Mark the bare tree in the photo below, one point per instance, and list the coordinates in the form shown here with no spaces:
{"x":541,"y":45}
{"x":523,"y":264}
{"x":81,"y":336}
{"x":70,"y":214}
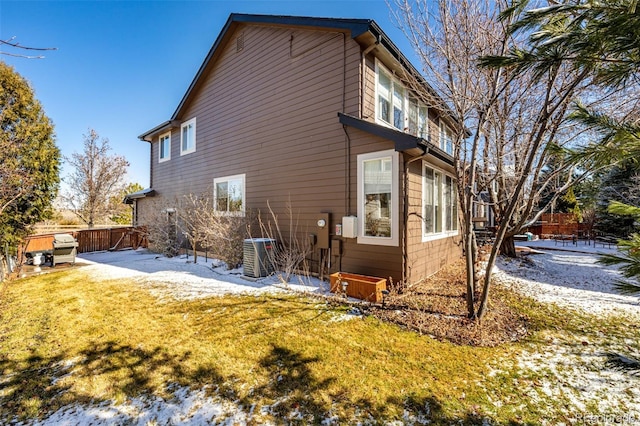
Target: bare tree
{"x":195,"y":220}
{"x":516,"y":121}
{"x":12,"y":44}
{"x":97,"y":176}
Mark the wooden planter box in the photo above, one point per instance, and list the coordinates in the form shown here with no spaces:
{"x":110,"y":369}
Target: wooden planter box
{"x":360,"y":286}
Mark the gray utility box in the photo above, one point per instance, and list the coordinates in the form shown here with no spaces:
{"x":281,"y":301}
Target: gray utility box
{"x":64,"y":249}
{"x":257,"y":257}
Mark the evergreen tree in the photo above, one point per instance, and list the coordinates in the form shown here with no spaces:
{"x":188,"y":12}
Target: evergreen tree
{"x":121,"y":213}
{"x":29,"y":160}
{"x":617,"y":185}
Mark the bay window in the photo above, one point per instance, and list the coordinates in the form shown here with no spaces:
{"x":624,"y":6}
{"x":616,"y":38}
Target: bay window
{"x":439,"y":204}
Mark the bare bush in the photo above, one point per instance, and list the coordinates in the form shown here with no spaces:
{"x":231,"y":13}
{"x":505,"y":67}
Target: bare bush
{"x":190,"y":221}
{"x":226,"y":238}
{"x":291,"y":251}
{"x":162,"y":230}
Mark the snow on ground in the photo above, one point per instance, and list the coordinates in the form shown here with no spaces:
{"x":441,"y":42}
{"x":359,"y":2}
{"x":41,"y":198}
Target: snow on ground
{"x":567,"y":369}
{"x":180,"y":278}
{"x":185,"y":408}
{"x":570,"y":368}
{"x":569,"y":276}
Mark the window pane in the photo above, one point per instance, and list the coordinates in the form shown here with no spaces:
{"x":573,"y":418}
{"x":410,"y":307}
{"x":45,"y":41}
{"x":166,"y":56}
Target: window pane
{"x":447,"y":204}
{"x":437,"y":197}
{"x":413,"y":117}
{"x":377,"y":190}
{"x":235,"y":195}
{"x":163,"y":147}
{"x":222,"y":196}
{"x":187,"y":137}
{"x":446,"y":139}
{"x":422,"y":122}
{"x":428,"y":201}
{"x":398,"y":106}
{"x":454,"y":205}
{"x":384,"y":96}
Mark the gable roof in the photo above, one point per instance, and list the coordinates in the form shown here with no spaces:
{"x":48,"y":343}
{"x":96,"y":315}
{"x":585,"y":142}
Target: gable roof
{"x":356,"y":28}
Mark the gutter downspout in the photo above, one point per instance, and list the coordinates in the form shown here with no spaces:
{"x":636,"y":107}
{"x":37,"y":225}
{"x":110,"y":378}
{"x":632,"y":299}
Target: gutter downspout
{"x":405,"y":243}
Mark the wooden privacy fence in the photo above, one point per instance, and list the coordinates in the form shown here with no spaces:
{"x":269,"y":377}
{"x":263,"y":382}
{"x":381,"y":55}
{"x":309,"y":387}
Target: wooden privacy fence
{"x":90,"y":240}
{"x":556,"y":223}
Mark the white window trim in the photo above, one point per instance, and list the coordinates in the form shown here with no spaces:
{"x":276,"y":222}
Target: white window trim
{"x":444,"y":233}
{"x":441,"y":139}
{"x":242,"y":178}
{"x":185,"y":124}
{"x":405,"y":107}
{"x":395,"y":206}
{"x":168,"y":157}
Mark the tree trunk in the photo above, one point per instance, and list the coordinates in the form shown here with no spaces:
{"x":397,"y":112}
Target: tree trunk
{"x":508,"y":247}
{"x":2,"y":270}
{"x":470,"y":257}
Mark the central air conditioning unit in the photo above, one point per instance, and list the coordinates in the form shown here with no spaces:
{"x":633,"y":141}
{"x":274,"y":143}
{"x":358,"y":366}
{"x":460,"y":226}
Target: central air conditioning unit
{"x":257,"y":255}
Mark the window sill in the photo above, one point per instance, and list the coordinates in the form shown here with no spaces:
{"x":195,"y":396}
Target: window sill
{"x":378,"y":241}
{"x":439,"y":236}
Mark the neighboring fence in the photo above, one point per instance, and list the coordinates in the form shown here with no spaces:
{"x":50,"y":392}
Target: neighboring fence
{"x":557,"y":224}
{"x":91,"y":240}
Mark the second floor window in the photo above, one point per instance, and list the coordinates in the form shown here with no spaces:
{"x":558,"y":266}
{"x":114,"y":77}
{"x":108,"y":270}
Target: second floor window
{"x":446,"y":138}
{"x":397,"y":107}
{"x":165,"y":147}
{"x":188,"y":136}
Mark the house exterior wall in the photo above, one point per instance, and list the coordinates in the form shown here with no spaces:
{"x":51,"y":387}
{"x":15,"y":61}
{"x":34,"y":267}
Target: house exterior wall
{"x":424,"y":258}
{"x":269,"y":111}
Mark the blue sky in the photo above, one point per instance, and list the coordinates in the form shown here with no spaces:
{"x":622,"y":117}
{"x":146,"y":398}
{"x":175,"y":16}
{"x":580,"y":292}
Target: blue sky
{"x":122,"y":67}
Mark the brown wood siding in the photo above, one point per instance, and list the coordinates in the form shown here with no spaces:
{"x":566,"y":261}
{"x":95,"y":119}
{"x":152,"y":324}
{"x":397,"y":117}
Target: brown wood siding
{"x":425,"y":258}
{"x":369,"y":101}
{"x":375,"y":260}
{"x":270,"y":112}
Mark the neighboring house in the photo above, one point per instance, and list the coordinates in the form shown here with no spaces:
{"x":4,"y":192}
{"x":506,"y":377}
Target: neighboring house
{"x":314,"y":110}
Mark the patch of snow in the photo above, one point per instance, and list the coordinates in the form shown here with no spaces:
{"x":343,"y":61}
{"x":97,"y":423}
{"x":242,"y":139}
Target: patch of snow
{"x":568,"y":276}
{"x":185,"y":407}
{"x":180,"y":278}
{"x":353,"y":313}
{"x":576,"y":374}
{"x":571,"y":369}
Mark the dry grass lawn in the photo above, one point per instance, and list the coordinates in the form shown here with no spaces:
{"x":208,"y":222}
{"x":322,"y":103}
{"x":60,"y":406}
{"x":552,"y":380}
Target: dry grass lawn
{"x":66,"y":338}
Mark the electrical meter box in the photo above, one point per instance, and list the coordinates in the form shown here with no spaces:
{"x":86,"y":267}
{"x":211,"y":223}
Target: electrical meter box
{"x":322,"y":230}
